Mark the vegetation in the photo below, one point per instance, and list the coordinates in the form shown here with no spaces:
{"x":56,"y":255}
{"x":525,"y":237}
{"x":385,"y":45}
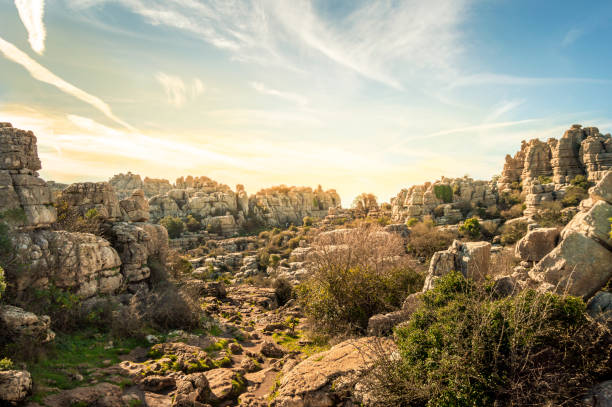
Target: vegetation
{"x":470,"y":227}
{"x":174,"y":226}
{"x":192,"y":224}
{"x":513,"y":232}
{"x":365,"y":202}
{"x":425,"y":239}
{"x":577,"y":191}
{"x":307,"y":221}
{"x":463,"y":347}
{"x":70,"y":219}
{"x":551,"y":215}
{"x":348,"y":286}
{"x":543,"y":179}
{"x":444,"y":192}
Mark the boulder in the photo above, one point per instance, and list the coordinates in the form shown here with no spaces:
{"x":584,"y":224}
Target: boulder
{"x":99,"y":196}
{"x":135,"y":208}
{"x":192,"y":391}
{"x":593,"y":223}
{"x":18,"y":324}
{"x":79,"y":262}
{"x":15,"y":386}
{"x":600,"y":307}
{"x":318,"y":380}
{"x":599,"y":396}
{"x":100,"y":395}
{"x":272,"y":350}
{"x":603,"y":190}
{"x":383,"y":324}
{"x":536,"y":244}
{"x":578,"y":265}
{"x":472,"y":259}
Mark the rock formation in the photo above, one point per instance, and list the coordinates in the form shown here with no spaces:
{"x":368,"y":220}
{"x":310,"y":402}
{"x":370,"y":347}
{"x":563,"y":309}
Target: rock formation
{"x":444,"y":195}
{"x":218,"y":207}
{"x":82,"y":263}
{"x":578,"y":260}
{"x":20,"y":187}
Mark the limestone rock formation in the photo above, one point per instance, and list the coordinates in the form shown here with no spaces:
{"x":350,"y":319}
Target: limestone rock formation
{"x":18,"y":324}
{"x":318,"y":380}
{"x":125,"y":185}
{"x":15,"y":385}
{"x":472,"y":259}
{"x":582,"y":262}
{"x":80,"y":262}
{"x":85,"y":196}
{"x":20,"y":187}
{"x":447,"y":194}
{"x":137,"y":245}
{"x":536,"y":244}
{"x":135,"y":208}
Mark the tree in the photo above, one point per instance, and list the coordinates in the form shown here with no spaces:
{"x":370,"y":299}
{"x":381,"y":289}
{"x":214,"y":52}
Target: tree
{"x":471,"y":227}
{"x":192,"y":224}
{"x":174,"y":226}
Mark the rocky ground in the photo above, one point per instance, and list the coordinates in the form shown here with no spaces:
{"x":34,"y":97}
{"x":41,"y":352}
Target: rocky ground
{"x":254,"y":353}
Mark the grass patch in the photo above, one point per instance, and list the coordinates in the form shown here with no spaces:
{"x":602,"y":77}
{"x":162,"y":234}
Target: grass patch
{"x":81,"y":353}
{"x":291,"y":343}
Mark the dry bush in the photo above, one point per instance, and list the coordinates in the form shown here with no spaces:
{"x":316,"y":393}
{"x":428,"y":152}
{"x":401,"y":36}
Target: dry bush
{"x":549,"y":215}
{"x":464,"y":347}
{"x":425,"y":239}
{"x":512,"y":233}
{"x":515,"y":211}
{"x":356,"y":273}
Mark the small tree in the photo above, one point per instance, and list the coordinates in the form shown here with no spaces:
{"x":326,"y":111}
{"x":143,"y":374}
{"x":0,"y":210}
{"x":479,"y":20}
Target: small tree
{"x":471,"y":227}
{"x":444,"y":192}
{"x":174,"y":226}
{"x":365,"y":202}
{"x":192,"y":224}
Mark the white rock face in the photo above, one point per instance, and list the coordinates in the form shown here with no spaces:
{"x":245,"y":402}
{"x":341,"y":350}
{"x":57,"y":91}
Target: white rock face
{"x":472,"y":259}
{"x":582,"y":262}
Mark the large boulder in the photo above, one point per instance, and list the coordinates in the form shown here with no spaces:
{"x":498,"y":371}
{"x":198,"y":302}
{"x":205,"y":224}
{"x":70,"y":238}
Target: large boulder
{"x":603,"y":189}
{"x":578,"y":265}
{"x":593,"y":223}
{"x":138,"y":244}
{"x":135,"y":208}
{"x":536,"y":244}
{"x":192,"y":391}
{"x":15,"y":386}
{"x":85,"y":196}
{"x":472,"y":259}
{"x":78,"y":262}
{"x":319,"y":380}
{"x":18,"y":324}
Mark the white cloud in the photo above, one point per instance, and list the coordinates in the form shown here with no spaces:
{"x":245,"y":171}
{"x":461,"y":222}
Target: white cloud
{"x":510,"y":80}
{"x":374,"y":40}
{"x":503,"y":108}
{"x":31,"y":13}
{"x":292,"y":97}
{"x":572,"y":36}
{"x":177,"y":91}
{"x":42,"y":74}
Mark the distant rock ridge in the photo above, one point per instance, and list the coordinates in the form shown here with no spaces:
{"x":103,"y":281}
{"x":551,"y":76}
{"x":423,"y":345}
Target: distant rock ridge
{"x":220,"y":208}
{"x":542,"y":171}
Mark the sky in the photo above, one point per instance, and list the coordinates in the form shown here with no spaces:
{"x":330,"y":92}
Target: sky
{"x":360,"y":96}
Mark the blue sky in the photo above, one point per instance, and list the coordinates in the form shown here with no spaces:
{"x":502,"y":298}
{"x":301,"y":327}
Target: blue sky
{"x":354,"y":95}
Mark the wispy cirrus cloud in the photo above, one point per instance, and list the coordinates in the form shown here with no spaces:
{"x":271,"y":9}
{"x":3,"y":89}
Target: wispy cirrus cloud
{"x":292,"y":97}
{"x":31,"y":14}
{"x":483,"y":79}
{"x":572,"y":36}
{"x":373,"y":40}
{"x":177,"y":91}
{"x":42,"y":74}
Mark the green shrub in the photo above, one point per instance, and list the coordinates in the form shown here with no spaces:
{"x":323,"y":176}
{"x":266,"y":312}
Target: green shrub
{"x":174,"y":226}
{"x":340,"y":300}
{"x":549,"y":215}
{"x":425,"y":239}
{"x":575,"y":193}
{"x":192,"y":224}
{"x":512,"y":233}
{"x":307,"y":221}
{"x":444,"y":192}
{"x":383,"y":220}
{"x":582,"y":182}
{"x":471,"y":227}
{"x":543,"y":179}
{"x":463,"y":348}
{"x":6,"y":364}
{"x":411,"y":222}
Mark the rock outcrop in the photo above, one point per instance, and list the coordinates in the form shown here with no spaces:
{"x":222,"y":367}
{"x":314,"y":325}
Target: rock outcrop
{"x":86,"y":196}
{"x":15,"y":386}
{"x":472,"y":259}
{"x":323,"y":377}
{"x":135,"y":208}
{"x":21,"y":190}
{"x":581,"y":263}
{"x":125,"y":185}
{"x":442,"y":199}
{"x":18,"y":324}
